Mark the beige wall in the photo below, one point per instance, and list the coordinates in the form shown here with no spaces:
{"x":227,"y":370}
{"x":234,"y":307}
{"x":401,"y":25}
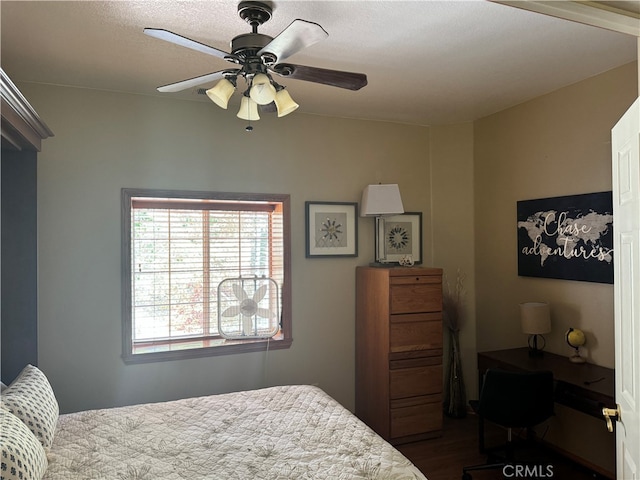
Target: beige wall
{"x":105,"y":141}
{"x":452,"y":195}
{"x":555,"y":145}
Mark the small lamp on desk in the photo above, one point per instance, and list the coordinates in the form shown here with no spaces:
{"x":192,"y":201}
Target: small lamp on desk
{"x":536,"y":321}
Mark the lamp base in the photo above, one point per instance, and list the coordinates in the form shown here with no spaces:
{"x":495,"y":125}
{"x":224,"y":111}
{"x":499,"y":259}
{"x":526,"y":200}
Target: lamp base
{"x":534,"y":349}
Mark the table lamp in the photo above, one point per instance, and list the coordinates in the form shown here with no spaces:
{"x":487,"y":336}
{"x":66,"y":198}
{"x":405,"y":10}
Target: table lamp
{"x":535,"y":320}
{"x":378,"y":201}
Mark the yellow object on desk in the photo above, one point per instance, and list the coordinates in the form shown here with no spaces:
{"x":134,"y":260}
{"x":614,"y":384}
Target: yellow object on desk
{"x":575,"y":339}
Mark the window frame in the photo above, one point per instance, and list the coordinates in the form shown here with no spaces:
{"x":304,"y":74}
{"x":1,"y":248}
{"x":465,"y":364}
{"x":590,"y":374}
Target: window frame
{"x":228,"y":347}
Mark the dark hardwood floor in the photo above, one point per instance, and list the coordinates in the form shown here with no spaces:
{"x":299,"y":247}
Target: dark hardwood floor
{"x":443,"y":458}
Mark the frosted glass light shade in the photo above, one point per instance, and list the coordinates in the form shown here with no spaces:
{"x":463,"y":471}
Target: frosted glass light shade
{"x":535,"y":318}
{"x":248,"y":109}
{"x":381,"y":200}
{"x":221,"y":93}
{"x":262,"y":92}
{"x":284,"y":103}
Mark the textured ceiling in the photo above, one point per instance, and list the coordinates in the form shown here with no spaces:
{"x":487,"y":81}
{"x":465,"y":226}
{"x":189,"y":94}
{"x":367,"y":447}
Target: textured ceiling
{"x":427,"y":62}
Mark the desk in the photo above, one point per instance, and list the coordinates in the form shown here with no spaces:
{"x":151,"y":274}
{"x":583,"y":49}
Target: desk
{"x":584,"y":387}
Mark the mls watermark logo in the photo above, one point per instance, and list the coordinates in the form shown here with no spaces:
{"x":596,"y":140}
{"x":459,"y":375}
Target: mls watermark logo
{"x":527,"y":471}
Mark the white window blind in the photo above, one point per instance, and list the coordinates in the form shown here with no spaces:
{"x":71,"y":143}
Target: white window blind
{"x":181,"y":249}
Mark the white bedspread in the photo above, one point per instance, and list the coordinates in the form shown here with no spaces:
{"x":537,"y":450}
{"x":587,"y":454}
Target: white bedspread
{"x":290,"y":432}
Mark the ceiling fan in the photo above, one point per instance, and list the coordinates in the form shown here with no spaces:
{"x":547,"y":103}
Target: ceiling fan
{"x":259,"y":57}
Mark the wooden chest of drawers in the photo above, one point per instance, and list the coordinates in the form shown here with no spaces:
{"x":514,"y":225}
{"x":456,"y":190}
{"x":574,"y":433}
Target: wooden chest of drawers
{"x":399,"y":351}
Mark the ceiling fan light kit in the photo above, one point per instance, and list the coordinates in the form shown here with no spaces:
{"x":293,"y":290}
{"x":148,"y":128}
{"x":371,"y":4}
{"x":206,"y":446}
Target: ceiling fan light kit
{"x":258,"y":57}
{"x":284,"y":102}
{"x":221,"y":93}
{"x":248,"y":109}
{"x":262,"y":91}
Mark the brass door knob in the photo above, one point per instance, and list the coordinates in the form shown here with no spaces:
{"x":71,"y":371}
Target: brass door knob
{"x":609,"y":413}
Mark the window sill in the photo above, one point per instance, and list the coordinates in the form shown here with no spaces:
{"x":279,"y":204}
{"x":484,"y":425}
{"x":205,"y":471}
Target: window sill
{"x":202,"y":348}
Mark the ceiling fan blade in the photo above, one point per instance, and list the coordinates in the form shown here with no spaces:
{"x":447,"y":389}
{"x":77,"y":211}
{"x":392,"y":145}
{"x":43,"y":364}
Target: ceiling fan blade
{"x":335,"y":78}
{"x":171,"y":37}
{"x":298,"y":35}
{"x":195,"y":81}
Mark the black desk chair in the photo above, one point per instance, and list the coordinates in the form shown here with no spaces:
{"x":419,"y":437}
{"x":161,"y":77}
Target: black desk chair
{"x":512,"y":400}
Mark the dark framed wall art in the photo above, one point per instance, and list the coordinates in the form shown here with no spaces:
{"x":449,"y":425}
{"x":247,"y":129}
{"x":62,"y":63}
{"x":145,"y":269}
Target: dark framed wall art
{"x":398,"y":237}
{"x":567,"y":237}
{"x":331,"y":229}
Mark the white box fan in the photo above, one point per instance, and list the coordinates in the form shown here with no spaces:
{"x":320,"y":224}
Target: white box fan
{"x":248,"y":307}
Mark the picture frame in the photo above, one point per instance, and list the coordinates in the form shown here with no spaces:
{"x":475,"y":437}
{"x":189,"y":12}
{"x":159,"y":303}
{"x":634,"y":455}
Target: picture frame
{"x":398,"y":237}
{"x":568,"y":237}
{"x":331,"y":229}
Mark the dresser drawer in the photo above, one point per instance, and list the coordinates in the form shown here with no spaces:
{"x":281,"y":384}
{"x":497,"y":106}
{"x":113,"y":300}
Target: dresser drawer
{"x":418,"y":331}
{"x":422,"y":358}
{"x":415,"y":279}
{"x":415,"y":381}
{"x":417,"y":418}
{"x":415,"y":297}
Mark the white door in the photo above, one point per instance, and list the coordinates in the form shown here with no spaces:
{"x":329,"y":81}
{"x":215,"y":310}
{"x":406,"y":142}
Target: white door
{"x":626,"y":247}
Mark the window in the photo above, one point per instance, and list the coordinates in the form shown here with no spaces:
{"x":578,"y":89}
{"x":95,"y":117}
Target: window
{"x":178,"y":247}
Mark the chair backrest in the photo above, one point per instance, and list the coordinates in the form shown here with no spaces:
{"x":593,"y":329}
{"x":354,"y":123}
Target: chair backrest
{"x":516,"y":399}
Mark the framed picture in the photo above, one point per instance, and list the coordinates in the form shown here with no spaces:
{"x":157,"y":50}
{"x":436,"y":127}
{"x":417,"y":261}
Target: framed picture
{"x":399,"y":236}
{"x":568,"y":237}
{"x":331,"y":229}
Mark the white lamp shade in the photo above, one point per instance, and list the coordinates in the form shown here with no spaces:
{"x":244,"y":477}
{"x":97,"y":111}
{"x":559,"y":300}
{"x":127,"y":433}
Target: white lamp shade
{"x":221,"y":93}
{"x":380,"y":200}
{"x":535,"y":318}
{"x":262,"y":92}
{"x":284,"y":103}
{"x":248,"y":109}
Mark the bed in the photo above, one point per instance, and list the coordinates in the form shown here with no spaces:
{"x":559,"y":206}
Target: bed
{"x":285,"y":432}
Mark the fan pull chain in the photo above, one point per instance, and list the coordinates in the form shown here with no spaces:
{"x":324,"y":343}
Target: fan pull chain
{"x":249,"y":128}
